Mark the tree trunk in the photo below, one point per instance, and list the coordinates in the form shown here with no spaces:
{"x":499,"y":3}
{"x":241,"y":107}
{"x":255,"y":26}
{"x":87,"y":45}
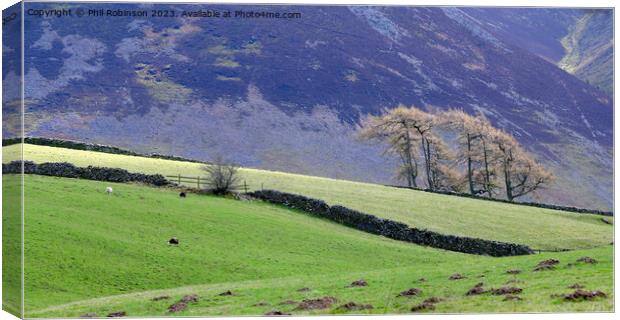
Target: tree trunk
{"x":470,"y":174}
{"x":507,"y":179}
{"x":411,"y":170}
{"x":487,"y":174}
{"x":427,"y":158}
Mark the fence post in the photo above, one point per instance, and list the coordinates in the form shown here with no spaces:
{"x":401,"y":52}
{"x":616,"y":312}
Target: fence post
{"x":245,"y":186}
{"x":179,"y":179}
{"x":198,"y":182}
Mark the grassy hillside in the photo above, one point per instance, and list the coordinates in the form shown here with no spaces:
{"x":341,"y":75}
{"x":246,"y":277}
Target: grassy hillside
{"x":539,"y":228}
{"x":111,"y":250}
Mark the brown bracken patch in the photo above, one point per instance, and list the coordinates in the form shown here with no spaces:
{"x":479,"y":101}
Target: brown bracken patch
{"x":161,"y":298}
{"x":548,"y":264}
{"x":277,"y":313}
{"x":320,"y":303}
{"x":352,"y":306}
{"x":359,"y":283}
{"x":587,"y":260}
{"x":410,"y":292}
{"x":117,"y":314}
{"x":176,"y":307}
{"x":288,"y":302}
{"x":456,"y":276}
{"x":506,"y":290}
{"x":584,"y":295}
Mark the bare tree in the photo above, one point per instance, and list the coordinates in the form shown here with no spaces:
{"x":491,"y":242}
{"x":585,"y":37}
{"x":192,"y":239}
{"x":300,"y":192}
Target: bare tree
{"x":522,"y":174}
{"x":408,"y":133}
{"x":394,"y":127}
{"x":222,"y":177}
{"x":475,"y":151}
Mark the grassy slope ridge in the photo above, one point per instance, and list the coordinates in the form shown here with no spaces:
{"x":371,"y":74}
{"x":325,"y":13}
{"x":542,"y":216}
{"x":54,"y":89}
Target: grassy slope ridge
{"x":589,"y":49}
{"x":83,"y":244}
{"x":536,"y":227}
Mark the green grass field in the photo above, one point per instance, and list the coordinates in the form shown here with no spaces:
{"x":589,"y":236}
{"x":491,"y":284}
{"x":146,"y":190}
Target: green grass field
{"x":91,"y":252}
{"x":536,"y":227}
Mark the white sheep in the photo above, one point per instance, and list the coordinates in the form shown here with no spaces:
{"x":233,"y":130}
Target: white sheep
{"x":108,"y":190}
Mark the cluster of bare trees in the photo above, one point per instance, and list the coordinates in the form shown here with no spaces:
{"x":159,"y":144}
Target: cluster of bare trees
{"x":485,"y":162}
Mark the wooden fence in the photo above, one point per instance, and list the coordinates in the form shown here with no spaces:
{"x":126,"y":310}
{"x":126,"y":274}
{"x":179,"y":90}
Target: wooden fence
{"x":201,"y":182}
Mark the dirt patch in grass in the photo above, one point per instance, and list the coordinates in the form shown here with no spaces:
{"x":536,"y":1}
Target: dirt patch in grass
{"x":513,"y":281}
{"x":190,"y":298}
{"x":410,"y":292}
{"x":320,"y":303}
{"x":358,"y":283}
{"x":579,"y":295}
{"x":506,"y":290}
{"x":160,"y":298}
{"x":352,"y":306}
{"x":548,"y":264}
{"x":176,"y":307}
{"x":510,"y":297}
{"x":422,"y":280}
{"x":277,"y":313}
{"x":89,"y":315}
{"x":428,"y":304}
{"x":303,"y":290}
{"x":588,"y":260}
{"x":576,"y":286}
{"x":117,"y":314}
{"x":261,"y":304}
{"x":433,"y":300}
{"x":476,"y":290}
{"x":288,"y":302}
{"x":423,"y":306}
{"x":456,"y":276}
{"x":513,"y":271}
{"x":226,"y":293}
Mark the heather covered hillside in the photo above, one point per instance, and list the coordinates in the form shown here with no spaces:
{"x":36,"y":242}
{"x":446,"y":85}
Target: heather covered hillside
{"x":288,"y":94}
{"x":579,"y":41}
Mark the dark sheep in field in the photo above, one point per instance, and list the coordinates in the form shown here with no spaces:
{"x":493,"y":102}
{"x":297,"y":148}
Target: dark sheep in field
{"x":173,"y":241}
{"x":182,"y":195}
